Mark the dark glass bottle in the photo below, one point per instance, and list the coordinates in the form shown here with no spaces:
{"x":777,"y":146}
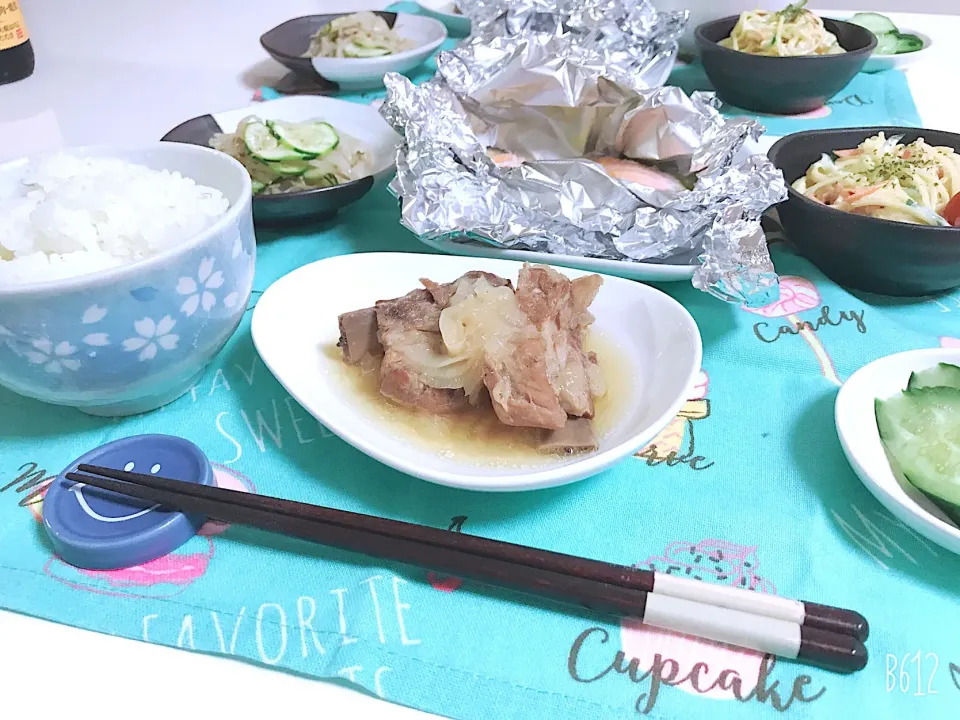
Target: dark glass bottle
{"x":16,"y":50}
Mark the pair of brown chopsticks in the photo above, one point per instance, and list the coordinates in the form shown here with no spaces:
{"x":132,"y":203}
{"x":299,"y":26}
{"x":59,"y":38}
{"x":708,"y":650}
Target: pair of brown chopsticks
{"x":817,"y":634}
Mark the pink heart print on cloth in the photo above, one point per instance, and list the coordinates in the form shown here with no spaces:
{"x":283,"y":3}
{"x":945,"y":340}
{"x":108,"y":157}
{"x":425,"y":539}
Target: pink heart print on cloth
{"x":797,"y":294}
{"x":949,"y":342}
{"x":715,"y":561}
{"x":161,"y":578}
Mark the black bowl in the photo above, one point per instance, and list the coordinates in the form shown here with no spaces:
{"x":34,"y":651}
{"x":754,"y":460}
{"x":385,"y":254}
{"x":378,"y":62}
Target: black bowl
{"x":781,"y":85}
{"x":315,"y":204}
{"x":288,"y":41}
{"x":860,"y":252}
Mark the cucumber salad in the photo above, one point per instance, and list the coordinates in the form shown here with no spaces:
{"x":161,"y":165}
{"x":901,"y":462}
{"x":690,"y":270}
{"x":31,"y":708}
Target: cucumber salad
{"x":287,"y":157}
{"x":920,"y":427}
{"x":890,"y":41}
{"x":360,"y":35}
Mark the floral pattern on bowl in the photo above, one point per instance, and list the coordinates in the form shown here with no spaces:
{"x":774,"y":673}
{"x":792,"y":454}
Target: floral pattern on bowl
{"x":132,"y":339}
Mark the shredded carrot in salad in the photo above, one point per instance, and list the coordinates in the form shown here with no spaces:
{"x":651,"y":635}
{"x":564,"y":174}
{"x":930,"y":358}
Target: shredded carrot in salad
{"x":885,"y":179}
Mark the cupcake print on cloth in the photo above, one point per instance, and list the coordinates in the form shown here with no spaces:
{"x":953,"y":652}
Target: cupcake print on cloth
{"x":713,"y":670}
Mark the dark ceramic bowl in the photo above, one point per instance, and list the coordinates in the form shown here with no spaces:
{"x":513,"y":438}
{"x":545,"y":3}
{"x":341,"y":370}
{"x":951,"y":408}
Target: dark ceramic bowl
{"x":781,"y":85}
{"x":288,"y":41}
{"x":859,"y":252}
{"x":361,"y":121}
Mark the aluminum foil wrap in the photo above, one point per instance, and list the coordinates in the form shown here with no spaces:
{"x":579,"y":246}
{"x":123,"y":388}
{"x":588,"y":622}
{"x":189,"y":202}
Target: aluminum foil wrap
{"x":551,"y":101}
{"x":633,"y":42}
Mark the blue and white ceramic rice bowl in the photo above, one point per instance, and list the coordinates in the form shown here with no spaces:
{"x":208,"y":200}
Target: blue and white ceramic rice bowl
{"x":133,"y":338}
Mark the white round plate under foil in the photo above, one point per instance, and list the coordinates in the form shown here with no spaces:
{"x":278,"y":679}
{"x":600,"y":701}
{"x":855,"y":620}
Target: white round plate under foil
{"x":296,"y":318}
{"x":673,"y":269}
{"x":860,"y":438}
{"x":680,"y":269}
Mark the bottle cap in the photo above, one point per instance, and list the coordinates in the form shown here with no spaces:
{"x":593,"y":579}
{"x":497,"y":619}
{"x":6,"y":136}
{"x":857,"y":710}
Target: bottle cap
{"x":99,"y":529}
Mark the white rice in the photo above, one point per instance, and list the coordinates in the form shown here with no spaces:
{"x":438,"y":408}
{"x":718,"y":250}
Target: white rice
{"x":71,"y":216}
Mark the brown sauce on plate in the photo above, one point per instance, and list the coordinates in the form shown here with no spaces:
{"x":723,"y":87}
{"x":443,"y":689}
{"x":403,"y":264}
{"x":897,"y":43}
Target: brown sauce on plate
{"x":476,"y":435}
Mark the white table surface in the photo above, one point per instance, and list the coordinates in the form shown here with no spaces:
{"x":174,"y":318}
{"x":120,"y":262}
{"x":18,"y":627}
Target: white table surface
{"x":114,"y":71}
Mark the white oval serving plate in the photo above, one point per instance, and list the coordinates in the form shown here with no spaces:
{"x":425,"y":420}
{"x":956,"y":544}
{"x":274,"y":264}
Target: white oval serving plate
{"x":860,"y":438}
{"x":296,"y":319}
{"x":362,"y":73}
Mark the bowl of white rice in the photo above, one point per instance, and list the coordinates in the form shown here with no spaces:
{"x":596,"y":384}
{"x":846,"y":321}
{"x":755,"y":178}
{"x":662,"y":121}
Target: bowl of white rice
{"x":123,"y":272}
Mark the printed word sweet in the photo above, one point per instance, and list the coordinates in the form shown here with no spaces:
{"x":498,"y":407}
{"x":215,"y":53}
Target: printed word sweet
{"x":666,"y":671}
{"x":276,"y":422}
{"x":767,"y":334}
{"x":279,"y":422}
{"x":262,"y":424}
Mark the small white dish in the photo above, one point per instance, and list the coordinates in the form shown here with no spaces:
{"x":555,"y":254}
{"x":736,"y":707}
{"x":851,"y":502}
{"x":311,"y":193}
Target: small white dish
{"x":860,"y":438}
{"x":360,"y":121}
{"x":362,"y":73}
{"x":444,"y":11}
{"x":879,"y":63}
{"x":296,"y":320}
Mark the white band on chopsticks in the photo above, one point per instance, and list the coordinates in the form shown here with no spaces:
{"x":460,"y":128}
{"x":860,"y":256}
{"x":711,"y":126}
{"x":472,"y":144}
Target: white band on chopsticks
{"x":768,"y":635}
{"x":732,"y":598}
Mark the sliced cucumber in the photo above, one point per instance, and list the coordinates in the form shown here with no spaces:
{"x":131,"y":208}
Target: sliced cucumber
{"x":943,"y":375}
{"x":320,"y":178}
{"x":264,"y":145}
{"x":908,"y":43}
{"x":887,"y":44}
{"x":310,"y":139}
{"x":257,"y":186}
{"x":355,"y":50}
{"x":951,"y":511}
{"x":921,"y":430}
{"x":369,"y":44}
{"x":290,"y":168}
{"x":874,"y":22}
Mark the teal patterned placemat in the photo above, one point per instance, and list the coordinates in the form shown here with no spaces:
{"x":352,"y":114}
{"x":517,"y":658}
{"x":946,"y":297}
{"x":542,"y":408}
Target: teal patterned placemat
{"x":869,"y":99}
{"x":748,"y":487}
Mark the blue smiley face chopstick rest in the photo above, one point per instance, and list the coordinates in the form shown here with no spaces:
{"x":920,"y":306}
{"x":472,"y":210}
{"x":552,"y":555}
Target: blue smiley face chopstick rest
{"x":101,"y":530}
